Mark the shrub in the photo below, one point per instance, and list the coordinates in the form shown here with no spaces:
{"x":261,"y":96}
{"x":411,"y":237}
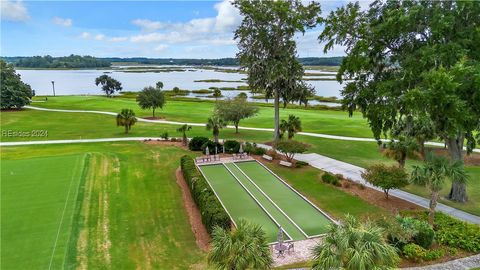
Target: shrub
{"x":211,"y":147}
{"x":290,"y":147}
{"x":422,"y":232}
{"x":386,"y":177}
{"x":164,"y":135}
{"x":212,"y":212}
{"x":434,"y":254}
{"x":452,"y":232}
{"x":231,"y":146}
{"x":330,"y":179}
{"x":196,"y":143}
{"x":414,"y":252}
{"x":300,"y":164}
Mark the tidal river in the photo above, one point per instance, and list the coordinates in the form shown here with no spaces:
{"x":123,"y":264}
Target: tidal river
{"x":82,"y":82}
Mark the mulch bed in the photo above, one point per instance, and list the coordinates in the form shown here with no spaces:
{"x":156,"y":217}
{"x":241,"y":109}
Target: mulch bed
{"x":471,"y":160}
{"x":153,"y":118}
{"x":168,"y":143}
{"x":202,"y":237}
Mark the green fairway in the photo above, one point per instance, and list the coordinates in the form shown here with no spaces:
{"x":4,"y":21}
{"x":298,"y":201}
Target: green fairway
{"x":308,"y":218}
{"x":38,"y":203}
{"x":248,"y":191}
{"x":128,"y":213}
{"x":317,"y":121}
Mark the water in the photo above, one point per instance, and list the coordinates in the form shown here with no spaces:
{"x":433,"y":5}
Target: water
{"x":82,"y":82}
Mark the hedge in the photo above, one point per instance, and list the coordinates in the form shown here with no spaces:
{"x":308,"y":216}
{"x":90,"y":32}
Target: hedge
{"x":210,"y":208}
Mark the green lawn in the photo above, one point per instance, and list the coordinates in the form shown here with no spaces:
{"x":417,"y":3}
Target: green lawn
{"x":128,"y":212}
{"x":318,"y":121}
{"x":336,"y":203}
{"x":38,"y":204}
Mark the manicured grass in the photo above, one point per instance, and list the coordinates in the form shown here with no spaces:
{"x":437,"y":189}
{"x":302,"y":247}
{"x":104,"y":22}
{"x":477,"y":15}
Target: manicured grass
{"x":317,"y":121}
{"x":308,"y":218}
{"x":238,"y":203}
{"x":129,"y":211}
{"x":82,"y":126}
{"x":307,"y":180}
{"x":38,"y":203}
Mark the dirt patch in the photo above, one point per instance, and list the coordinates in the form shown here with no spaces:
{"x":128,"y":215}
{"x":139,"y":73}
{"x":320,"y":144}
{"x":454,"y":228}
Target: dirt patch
{"x":168,"y":143}
{"x":201,"y":235}
{"x":375,"y":197}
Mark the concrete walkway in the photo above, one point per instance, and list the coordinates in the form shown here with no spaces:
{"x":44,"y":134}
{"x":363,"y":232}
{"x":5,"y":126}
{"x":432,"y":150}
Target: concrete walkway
{"x":355,"y":173}
{"x":310,"y":134}
{"x":459,"y":264}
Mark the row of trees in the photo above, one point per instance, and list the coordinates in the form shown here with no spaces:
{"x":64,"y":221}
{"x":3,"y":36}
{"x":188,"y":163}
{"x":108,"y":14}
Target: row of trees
{"x":71,"y":61}
{"x":413,"y":76}
{"x":14,"y":93}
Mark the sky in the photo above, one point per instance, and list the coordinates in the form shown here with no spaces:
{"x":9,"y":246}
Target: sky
{"x":156,"y":29}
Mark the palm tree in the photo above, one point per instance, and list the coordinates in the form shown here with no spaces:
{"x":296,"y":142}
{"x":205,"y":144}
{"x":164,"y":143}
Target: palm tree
{"x":291,"y":126}
{"x":434,"y":173}
{"x":243,"y":248}
{"x":183,"y":129}
{"x":354,"y":245}
{"x":126,"y":119}
{"x":215,"y":123}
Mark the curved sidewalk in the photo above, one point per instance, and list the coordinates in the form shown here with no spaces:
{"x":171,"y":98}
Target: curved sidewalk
{"x":311,"y":134}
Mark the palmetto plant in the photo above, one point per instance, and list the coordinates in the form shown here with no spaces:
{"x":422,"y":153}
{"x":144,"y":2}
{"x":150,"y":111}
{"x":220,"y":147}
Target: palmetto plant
{"x":291,"y":126}
{"x":356,"y":246}
{"x":183,"y":129}
{"x":243,"y":248}
{"x":126,"y":119}
{"x":215,"y":123}
{"x":433,"y":175}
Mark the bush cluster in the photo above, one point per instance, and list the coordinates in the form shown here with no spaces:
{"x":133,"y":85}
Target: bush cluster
{"x":330,"y":179}
{"x":211,"y":210}
{"x":253,"y":149}
{"x":211,"y":147}
{"x":300,"y":164}
{"x":422,"y":233}
{"x":455,"y":233}
{"x":417,"y":253}
{"x":231,"y":146}
{"x":196,"y":143}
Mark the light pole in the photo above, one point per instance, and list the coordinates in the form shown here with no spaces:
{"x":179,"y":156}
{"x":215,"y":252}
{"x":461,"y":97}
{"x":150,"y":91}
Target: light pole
{"x":53,"y":86}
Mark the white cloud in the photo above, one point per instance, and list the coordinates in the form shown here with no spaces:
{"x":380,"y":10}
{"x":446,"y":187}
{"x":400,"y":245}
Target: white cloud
{"x":161,"y":48}
{"x":62,"y":21}
{"x":99,"y":37}
{"x":14,"y":11}
{"x":228,"y":17}
{"x":148,"y":25}
{"x":118,"y":39}
{"x":85,"y":35}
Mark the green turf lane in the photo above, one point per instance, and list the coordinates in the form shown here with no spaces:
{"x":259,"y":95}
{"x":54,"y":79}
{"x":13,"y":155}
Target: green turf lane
{"x":237,"y":201}
{"x":301,"y":212}
{"x":286,"y":224}
{"x":38,"y":201}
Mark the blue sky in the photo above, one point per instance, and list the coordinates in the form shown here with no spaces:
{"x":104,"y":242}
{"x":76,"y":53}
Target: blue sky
{"x":177,"y":29}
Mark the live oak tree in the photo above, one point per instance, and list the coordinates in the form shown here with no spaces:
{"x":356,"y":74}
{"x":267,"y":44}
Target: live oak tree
{"x":14,"y":92}
{"x":267,"y":49}
{"x":151,"y":98}
{"x":234,"y":110}
{"x":109,"y":84}
{"x":386,"y":177}
{"x":126,"y":118}
{"x":407,"y":58}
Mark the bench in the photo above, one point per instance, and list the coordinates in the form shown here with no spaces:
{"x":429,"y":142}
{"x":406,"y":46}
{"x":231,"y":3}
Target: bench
{"x":267,"y":157}
{"x":285,"y":163}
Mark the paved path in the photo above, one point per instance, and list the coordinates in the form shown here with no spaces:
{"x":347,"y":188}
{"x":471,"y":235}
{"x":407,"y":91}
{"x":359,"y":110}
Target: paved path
{"x":459,"y":264}
{"x":318,"y":135}
{"x":355,"y":173}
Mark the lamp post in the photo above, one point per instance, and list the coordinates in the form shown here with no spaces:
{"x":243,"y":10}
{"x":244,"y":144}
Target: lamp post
{"x":53,"y":86}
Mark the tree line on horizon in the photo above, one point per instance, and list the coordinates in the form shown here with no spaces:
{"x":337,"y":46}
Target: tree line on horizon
{"x":78,"y":61}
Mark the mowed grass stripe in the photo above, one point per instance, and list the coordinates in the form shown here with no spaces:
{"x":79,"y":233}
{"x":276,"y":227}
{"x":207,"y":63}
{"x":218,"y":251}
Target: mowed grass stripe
{"x":239,"y":204}
{"x":286,"y":224}
{"x":300,"y":211}
{"x":33,"y":200}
